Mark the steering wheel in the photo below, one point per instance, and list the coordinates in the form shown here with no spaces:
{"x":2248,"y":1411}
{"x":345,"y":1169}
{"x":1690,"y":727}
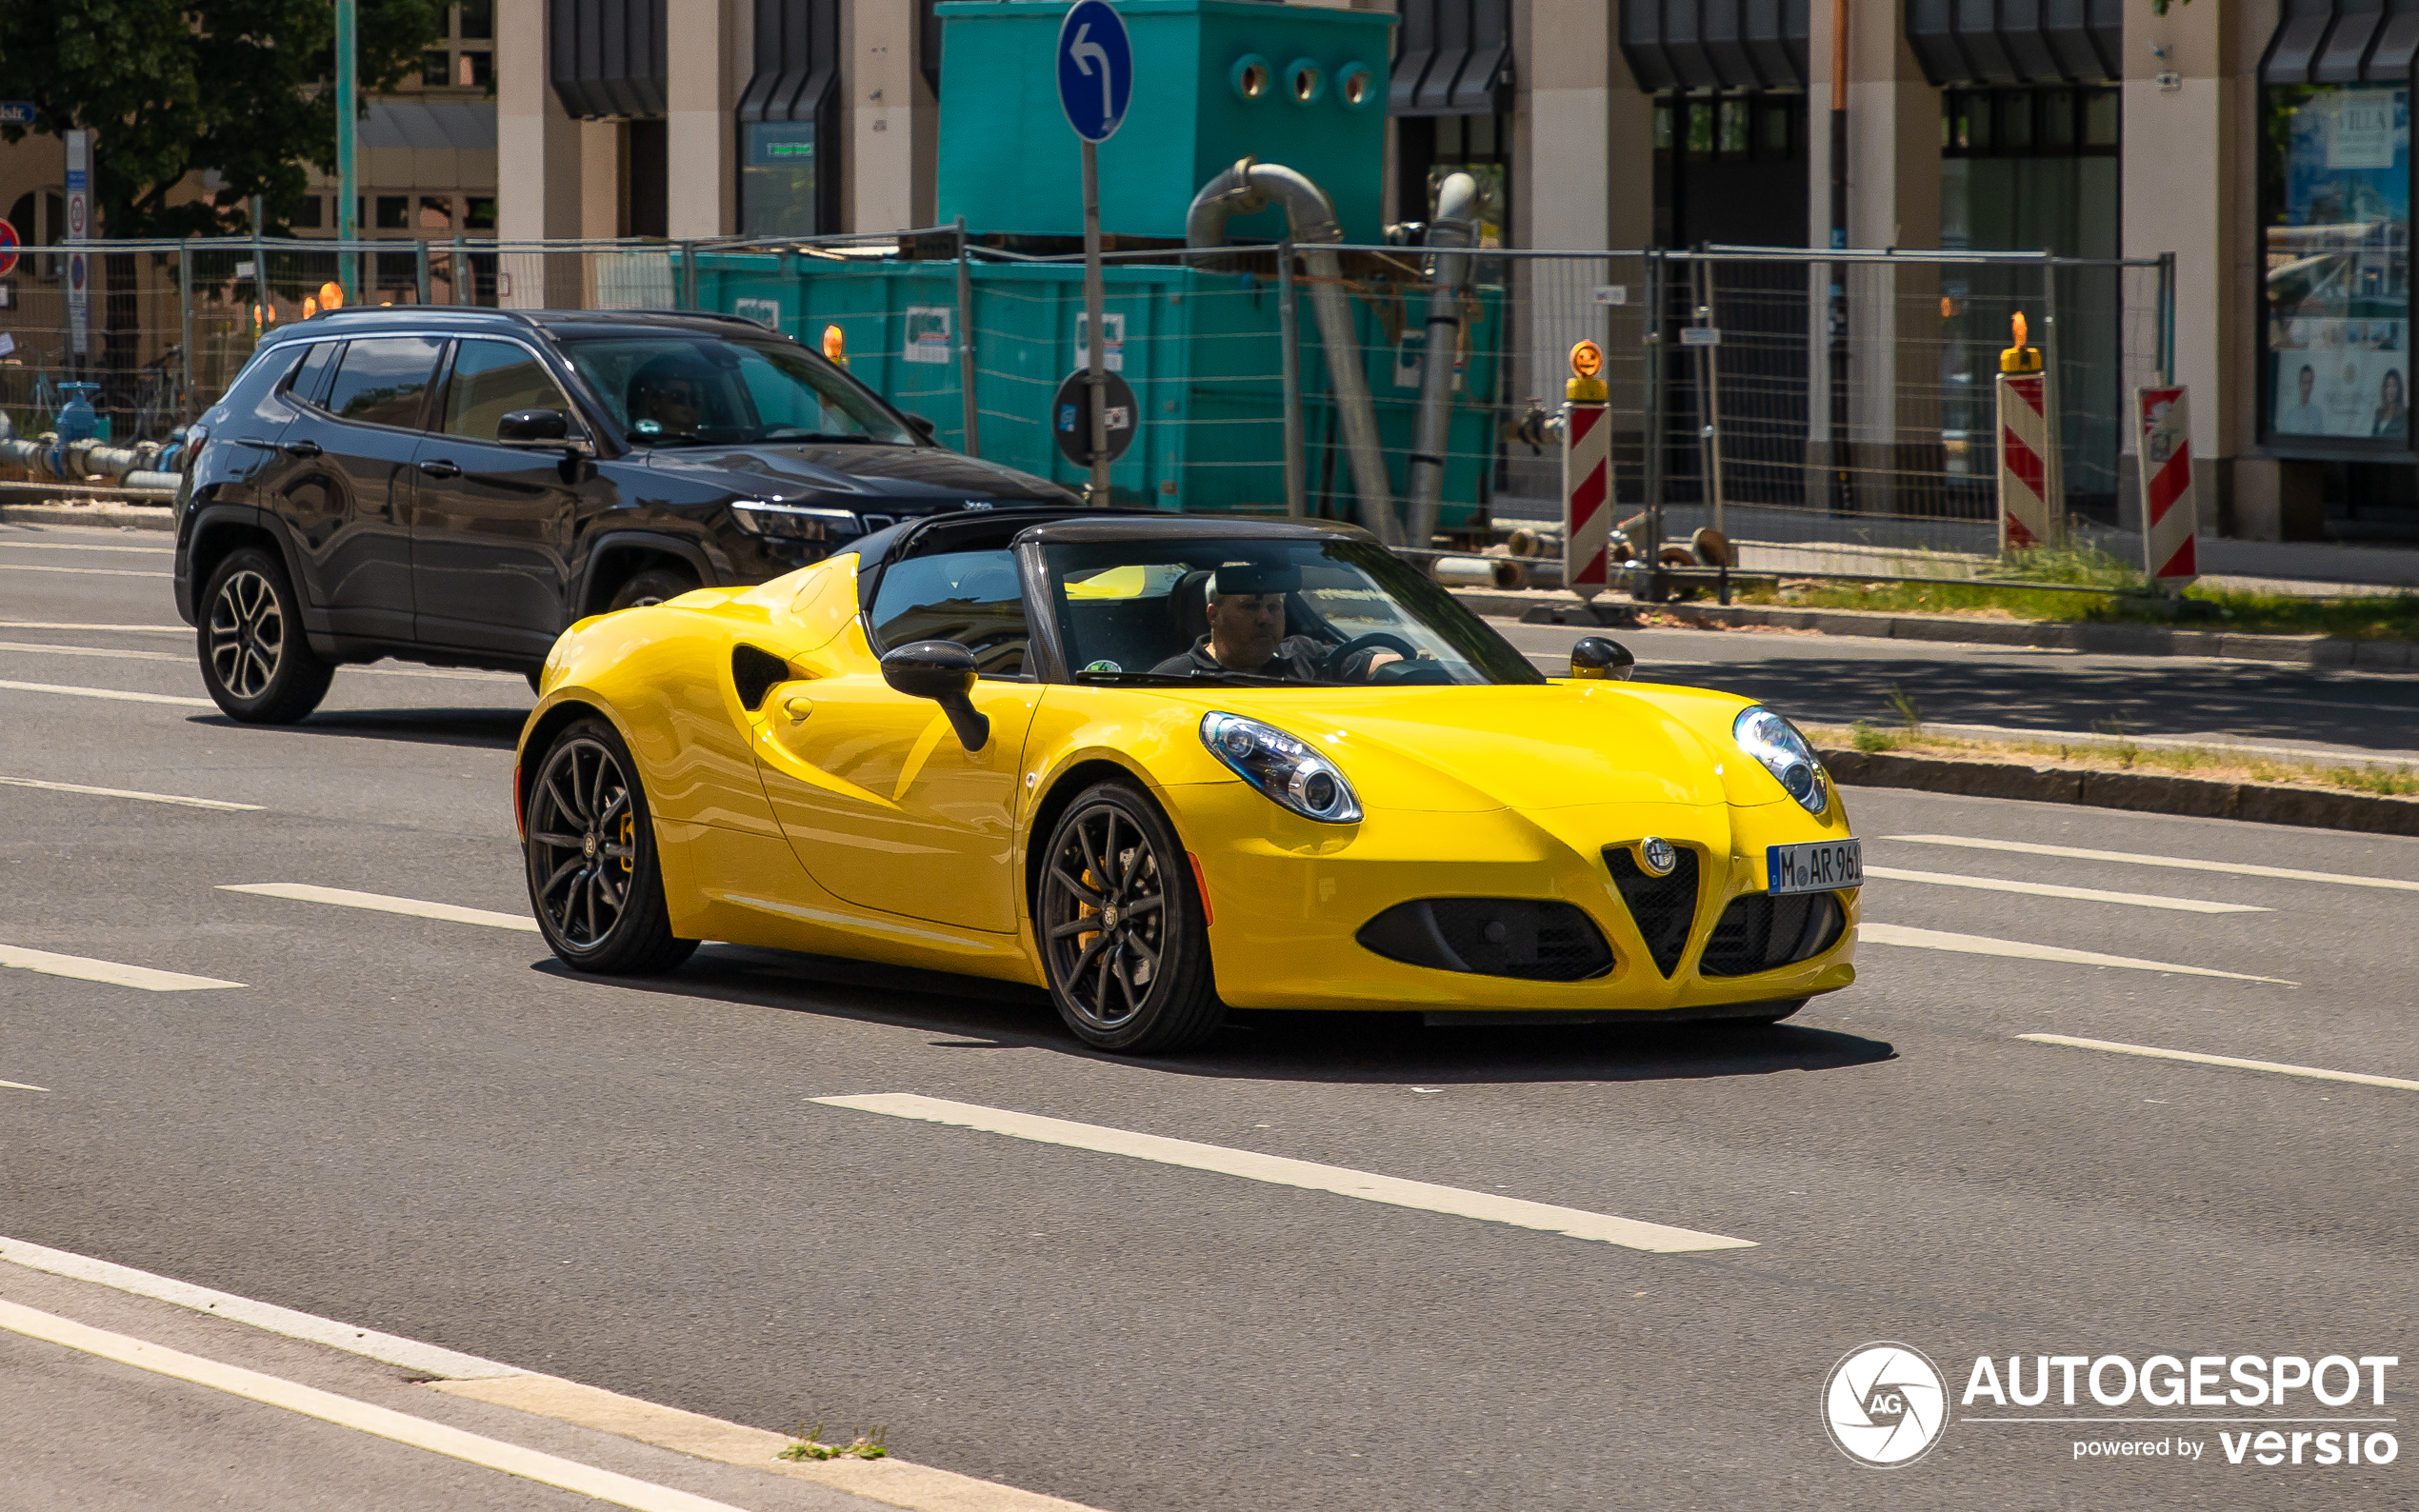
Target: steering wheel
{"x":1376,"y":641}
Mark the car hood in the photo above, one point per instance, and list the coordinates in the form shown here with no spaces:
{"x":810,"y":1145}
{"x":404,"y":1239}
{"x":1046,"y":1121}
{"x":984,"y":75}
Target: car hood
{"x":861,"y":476}
{"x":1533,"y":749}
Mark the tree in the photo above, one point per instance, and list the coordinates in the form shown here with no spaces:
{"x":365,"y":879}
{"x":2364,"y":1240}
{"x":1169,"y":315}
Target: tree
{"x":240,"y":87}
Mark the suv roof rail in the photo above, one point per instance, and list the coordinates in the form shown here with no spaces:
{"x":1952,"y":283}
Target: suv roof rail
{"x":416,"y":312}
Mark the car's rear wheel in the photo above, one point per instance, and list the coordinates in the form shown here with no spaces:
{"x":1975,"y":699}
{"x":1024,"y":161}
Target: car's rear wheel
{"x":653,"y":585}
{"x":1123,"y":938}
{"x":595,"y":881}
{"x":255,"y":661}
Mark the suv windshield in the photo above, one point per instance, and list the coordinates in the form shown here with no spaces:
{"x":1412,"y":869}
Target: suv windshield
{"x":1325,"y":611}
{"x":665,"y":389}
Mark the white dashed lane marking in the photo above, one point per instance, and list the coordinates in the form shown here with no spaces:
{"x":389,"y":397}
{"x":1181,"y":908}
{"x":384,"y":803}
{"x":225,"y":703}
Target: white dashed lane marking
{"x":24,"y":1086}
{"x":53,"y":625}
{"x":1974,"y":945}
{"x":381,"y":903}
{"x":2236,"y":868}
{"x":82,"y":968}
{"x":73,"y":546}
{"x":2044,"y":889}
{"x":2196,"y":1058}
{"x":94,"y":572}
{"x":117,"y":694}
{"x":129,"y":792}
{"x":1309,"y":1176}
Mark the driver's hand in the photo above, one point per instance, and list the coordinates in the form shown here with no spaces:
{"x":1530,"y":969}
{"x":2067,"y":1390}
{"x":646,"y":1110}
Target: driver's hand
{"x":1378,"y":659}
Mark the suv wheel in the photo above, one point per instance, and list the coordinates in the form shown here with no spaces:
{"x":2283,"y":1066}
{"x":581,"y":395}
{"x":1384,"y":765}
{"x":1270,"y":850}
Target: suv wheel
{"x":653,"y":585}
{"x":255,"y":661}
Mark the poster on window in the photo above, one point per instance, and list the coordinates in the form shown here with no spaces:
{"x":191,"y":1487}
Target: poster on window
{"x":2339,"y":267}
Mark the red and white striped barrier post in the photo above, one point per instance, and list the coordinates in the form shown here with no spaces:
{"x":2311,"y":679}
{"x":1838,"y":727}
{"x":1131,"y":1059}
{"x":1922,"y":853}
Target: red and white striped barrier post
{"x":1586,"y":474}
{"x":2170,"y":513}
{"x":2028,"y":496}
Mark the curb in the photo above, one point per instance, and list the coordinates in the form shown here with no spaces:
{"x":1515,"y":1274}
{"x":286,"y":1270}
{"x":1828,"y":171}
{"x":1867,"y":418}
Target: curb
{"x":2143,"y":792}
{"x":1540,"y":608}
{"x":103,"y":516}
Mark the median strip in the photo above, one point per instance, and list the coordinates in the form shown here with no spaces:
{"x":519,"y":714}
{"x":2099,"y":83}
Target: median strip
{"x":2196,"y":1058}
{"x":1974,"y":945}
{"x":1307,"y":1175}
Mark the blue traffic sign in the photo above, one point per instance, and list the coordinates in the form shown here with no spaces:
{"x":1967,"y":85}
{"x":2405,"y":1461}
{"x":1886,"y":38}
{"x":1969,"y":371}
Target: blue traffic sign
{"x":1095,"y":70}
{"x":16,"y":112}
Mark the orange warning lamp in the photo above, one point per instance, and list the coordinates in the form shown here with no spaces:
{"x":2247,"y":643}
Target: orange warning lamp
{"x":311,"y":307}
{"x":835,"y":345}
{"x":2020,"y":358}
{"x":331,"y":295}
{"x":1586,"y":385}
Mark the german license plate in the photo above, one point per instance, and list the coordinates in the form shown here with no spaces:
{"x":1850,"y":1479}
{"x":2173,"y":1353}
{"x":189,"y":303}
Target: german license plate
{"x":1821,"y":866}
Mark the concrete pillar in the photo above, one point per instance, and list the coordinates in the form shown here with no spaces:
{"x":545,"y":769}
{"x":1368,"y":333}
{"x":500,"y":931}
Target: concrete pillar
{"x":2189,"y":190}
{"x":701,"y":58}
{"x":604,"y":180}
{"x":882,"y":91}
{"x":537,"y":160}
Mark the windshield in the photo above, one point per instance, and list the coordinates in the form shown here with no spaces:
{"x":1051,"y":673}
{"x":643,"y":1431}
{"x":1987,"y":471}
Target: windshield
{"x":1338,"y":612}
{"x":675,"y":391}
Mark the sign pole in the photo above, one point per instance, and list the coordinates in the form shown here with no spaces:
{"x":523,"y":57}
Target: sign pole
{"x":1096,"y":335}
{"x":79,"y":186}
{"x":348,"y":190}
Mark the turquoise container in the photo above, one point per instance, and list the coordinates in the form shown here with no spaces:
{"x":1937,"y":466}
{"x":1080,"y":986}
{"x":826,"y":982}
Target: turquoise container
{"x":1214,"y":80}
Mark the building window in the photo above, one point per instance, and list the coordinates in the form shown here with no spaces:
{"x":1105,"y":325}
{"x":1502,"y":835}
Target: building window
{"x":1731,"y":169}
{"x":307,"y":216}
{"x":777,"y":178}
{"x":395,"y":213}
{"x":479,"y":213}
{"x":464,"y":58}
{"x":475,"y":21}
{"x":2336,"y":209}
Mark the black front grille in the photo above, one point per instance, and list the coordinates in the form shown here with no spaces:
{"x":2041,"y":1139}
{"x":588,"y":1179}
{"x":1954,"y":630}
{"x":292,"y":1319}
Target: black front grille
{"x":1663,"y":906}
{"x":1759,"y":932}
{"x":1527,"y":938}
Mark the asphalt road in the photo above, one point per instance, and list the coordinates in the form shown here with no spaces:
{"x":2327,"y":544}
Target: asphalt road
{"x":426,"y":1127}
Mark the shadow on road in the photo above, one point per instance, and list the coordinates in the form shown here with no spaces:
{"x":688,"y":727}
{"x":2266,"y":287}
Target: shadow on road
{"x":491,"y":727}
{"x":1257,"y":1045}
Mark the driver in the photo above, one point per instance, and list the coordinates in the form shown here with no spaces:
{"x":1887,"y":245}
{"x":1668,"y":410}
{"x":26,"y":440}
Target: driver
{"x":667,"y":396}
{"x":1246,"y":632}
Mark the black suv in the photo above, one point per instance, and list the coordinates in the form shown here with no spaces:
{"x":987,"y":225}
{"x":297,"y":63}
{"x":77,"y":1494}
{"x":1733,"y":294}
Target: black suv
{"x":456,"y":486}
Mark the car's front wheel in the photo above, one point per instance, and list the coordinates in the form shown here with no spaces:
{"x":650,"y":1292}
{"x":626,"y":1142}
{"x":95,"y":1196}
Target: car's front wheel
{"x":595,"y":881}
{"x":255,"y":661}
{"x":1123,"y":937}
{"x":653,"y":585}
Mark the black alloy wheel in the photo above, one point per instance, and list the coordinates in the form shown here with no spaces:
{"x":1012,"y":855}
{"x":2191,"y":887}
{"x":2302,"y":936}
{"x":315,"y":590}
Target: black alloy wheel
{"x":594,"y":880}
{"x":653,"y":585}
{"x":1122,"y":935}
{"x":255,"y":661}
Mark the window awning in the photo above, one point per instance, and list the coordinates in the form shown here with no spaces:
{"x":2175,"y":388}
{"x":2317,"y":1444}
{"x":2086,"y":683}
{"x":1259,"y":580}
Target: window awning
{"x":607,"y":57}
{"x":2018,"y":41}
{"x":1715,"y":44}
{"x":2343,"y":42}
{"x":797,"y":60}
{"x":1454,"y":60}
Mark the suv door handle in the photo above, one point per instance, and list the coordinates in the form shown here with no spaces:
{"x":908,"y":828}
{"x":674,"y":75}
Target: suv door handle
{"x":439,"y":467}
{"x":300,"y":448}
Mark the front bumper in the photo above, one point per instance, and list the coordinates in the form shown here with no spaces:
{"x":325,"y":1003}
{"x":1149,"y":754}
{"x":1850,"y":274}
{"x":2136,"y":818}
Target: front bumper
{"x":1287,"y":897}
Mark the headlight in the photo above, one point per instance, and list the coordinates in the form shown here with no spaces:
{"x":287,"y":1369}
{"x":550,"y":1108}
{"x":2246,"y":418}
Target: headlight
{"x":790,"y":522}
{"x":1775,"y":741}
{"x":1284,"y":769}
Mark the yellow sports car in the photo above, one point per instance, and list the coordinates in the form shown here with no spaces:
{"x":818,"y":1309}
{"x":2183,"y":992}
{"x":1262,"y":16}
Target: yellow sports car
{"x":1164,"y":765}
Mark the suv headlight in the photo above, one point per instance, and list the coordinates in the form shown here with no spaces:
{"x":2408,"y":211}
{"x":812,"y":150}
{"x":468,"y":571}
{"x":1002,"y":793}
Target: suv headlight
{"x":1775,"y":741}
{"x":790,"y":522}
{"x":1287,"y":770}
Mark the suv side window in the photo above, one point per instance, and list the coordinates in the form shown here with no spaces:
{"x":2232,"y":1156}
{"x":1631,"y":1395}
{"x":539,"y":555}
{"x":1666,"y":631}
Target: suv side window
{"x":490,"y":380}
{"x":383,"y":380}
{"x":974,"y":598}
{"x":311,"y":380}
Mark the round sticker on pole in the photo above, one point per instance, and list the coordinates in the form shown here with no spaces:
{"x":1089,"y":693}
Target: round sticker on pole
{"x":1586,"y":385}
{"x":1095,"y":70}
{"x":7,"y":248}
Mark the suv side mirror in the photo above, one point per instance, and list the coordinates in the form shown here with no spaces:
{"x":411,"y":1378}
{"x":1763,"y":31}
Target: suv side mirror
{"x":538,"y":425}
{"x":924,"y":426}
{"x":943,"y":672}
{"x":1595,"y":656}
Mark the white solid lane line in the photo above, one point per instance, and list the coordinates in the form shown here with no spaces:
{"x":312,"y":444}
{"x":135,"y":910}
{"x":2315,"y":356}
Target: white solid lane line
{"x":70,"y":545}
{"x":54,"y":624}
{"x":2198,"y":1058}
{"x":361,"y":1417}
{"x":92,"y":572}
{"x":380,"y":903}
{"x":118,"y":694}
{"x":2238,"y":868}
{"x":114,"y":973}
{"x":2044,"y":889}
{"x":410,"y":1354}
{"x":117,"y":652}
{"x":1307,"y":1175}
{"x":129,"y":792}
{"x":24,"y":1086}
{"x":1974,"y":945}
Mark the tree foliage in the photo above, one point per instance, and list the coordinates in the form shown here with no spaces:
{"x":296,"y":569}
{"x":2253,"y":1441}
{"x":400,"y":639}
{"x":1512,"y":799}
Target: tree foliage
{"x":243,"y":87}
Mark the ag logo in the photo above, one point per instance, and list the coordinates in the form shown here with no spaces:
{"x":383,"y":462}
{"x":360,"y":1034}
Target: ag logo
{"x":1885,"y":1404}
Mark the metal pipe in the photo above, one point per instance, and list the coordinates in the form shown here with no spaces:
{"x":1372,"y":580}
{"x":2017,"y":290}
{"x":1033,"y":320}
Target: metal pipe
{"x":1297,"y":503}
{"x":971,"y":416}
{"x":1653,"y":525}
{"x":420,"y":268}
{"x":2054,"y":469}
{"x":1709,"y":391}
{"x":1249,"y":186}
{"x":185,"y":406}
{"x":1095,"y":332}
{"x":1454,"y":227}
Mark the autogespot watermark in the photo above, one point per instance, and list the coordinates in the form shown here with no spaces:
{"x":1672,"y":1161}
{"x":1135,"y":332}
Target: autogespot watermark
{"x":1886,"y":1405}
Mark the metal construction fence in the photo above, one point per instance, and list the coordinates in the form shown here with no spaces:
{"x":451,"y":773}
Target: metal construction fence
{"x":1830,"y":411}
